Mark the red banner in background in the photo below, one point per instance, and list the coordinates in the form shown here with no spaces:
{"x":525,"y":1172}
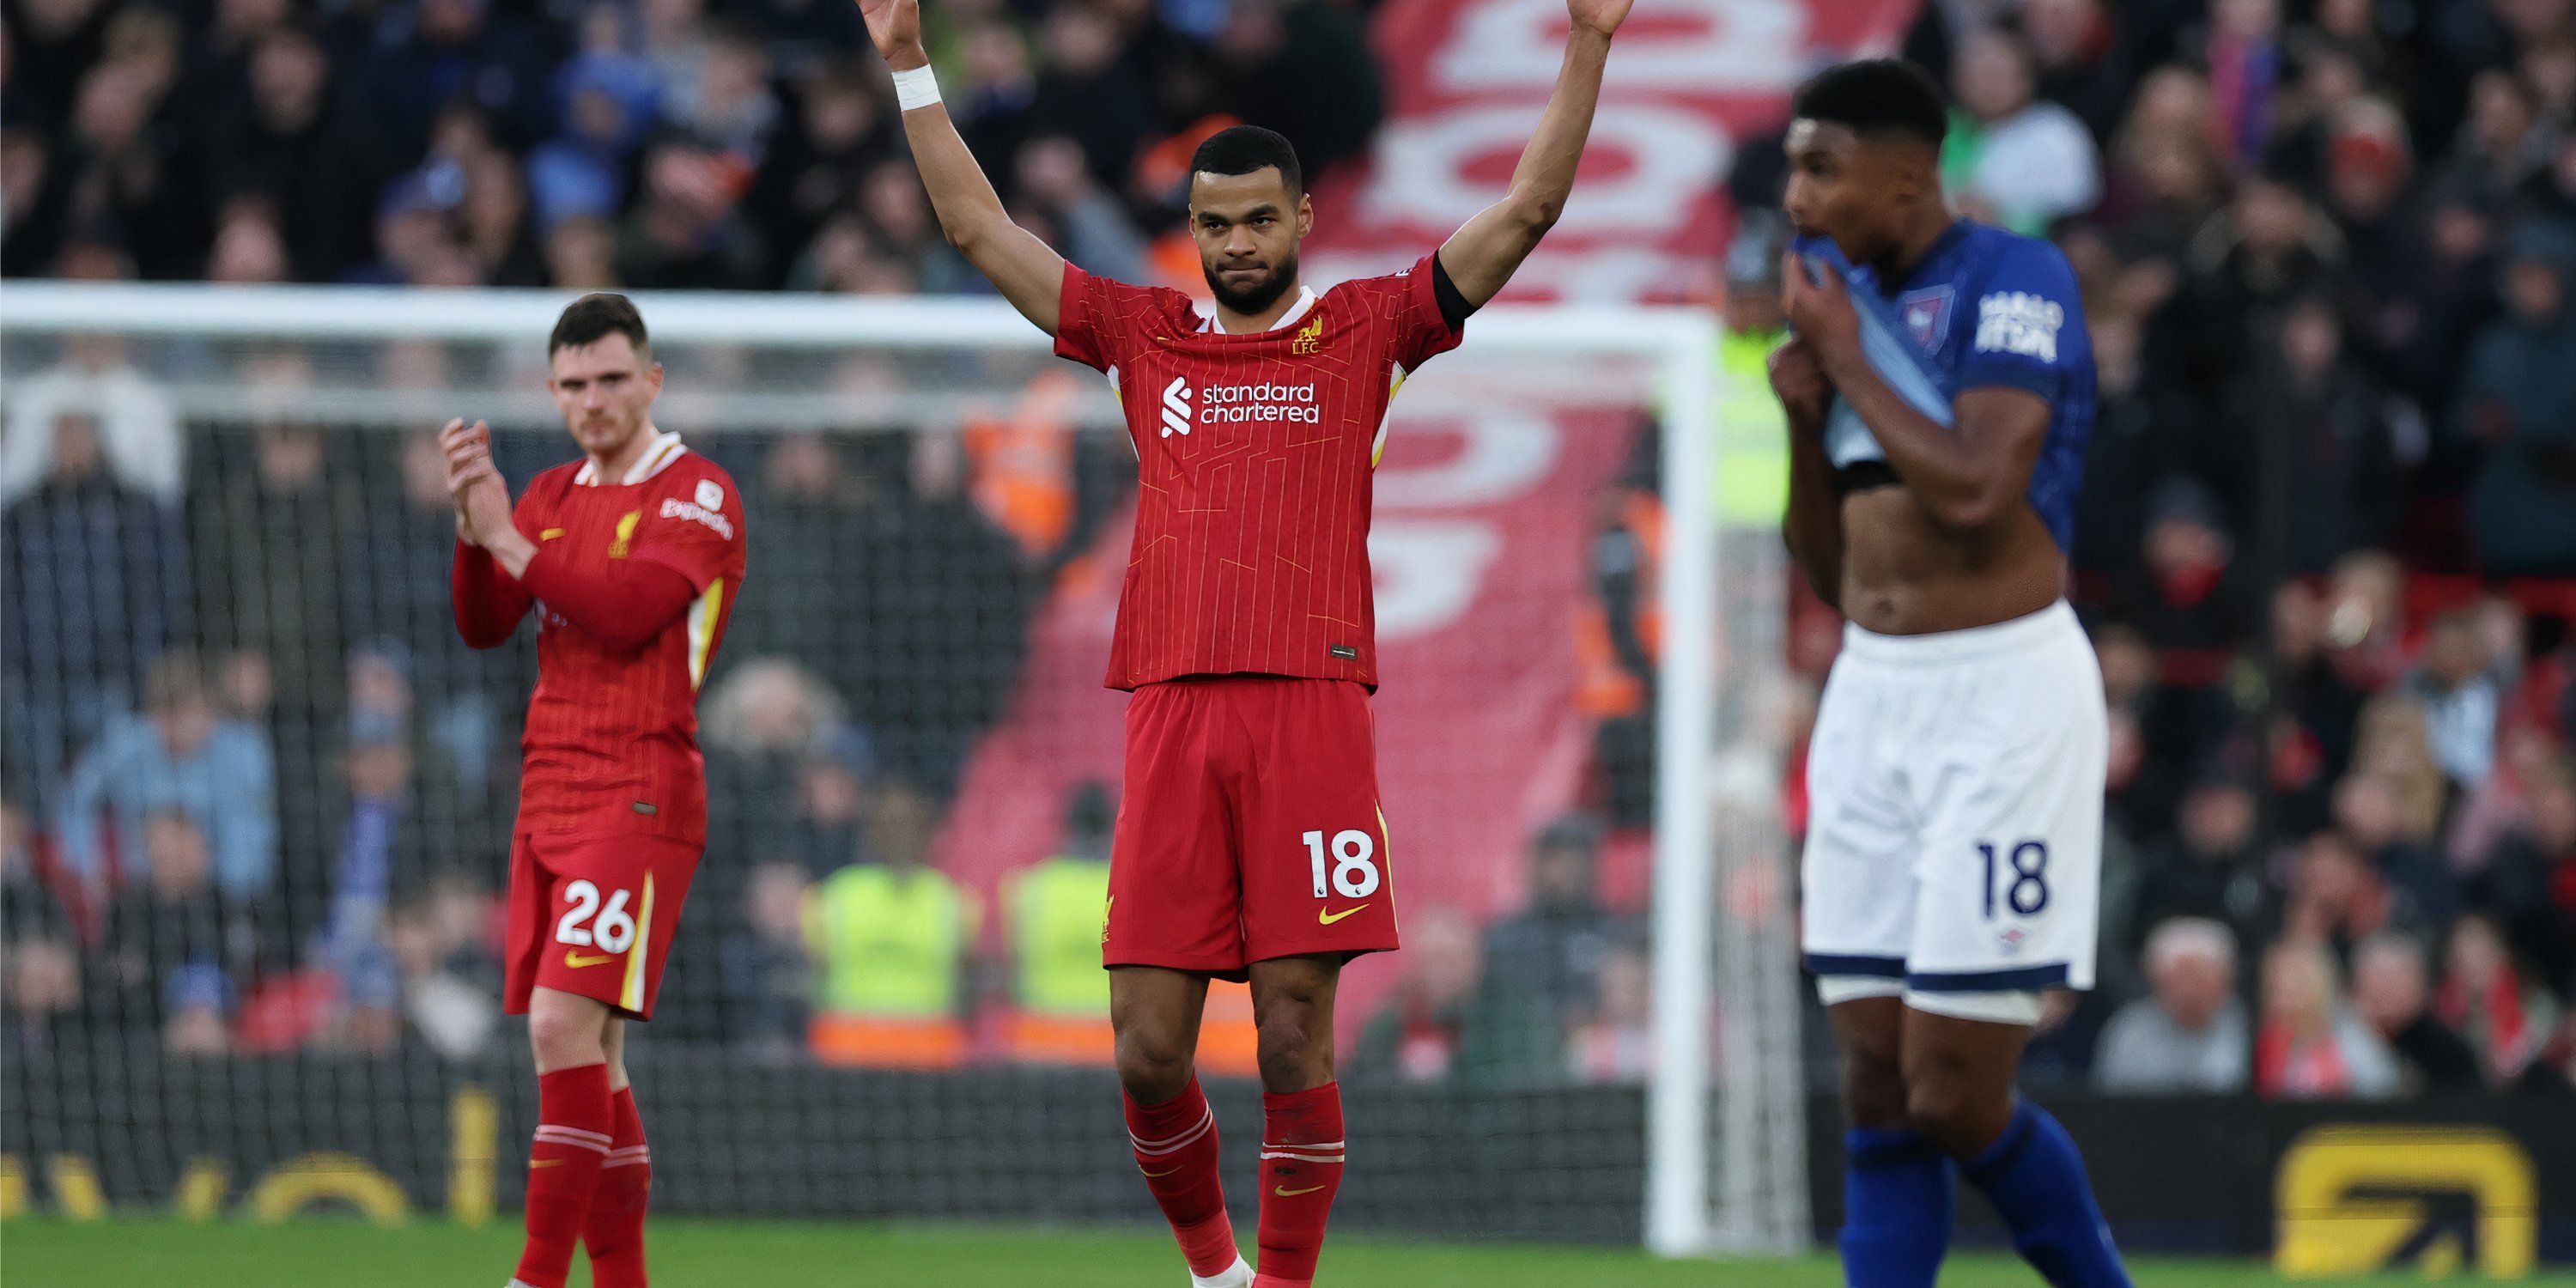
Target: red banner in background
{"x":1467,"y":79}
{"x":1487,"y":498}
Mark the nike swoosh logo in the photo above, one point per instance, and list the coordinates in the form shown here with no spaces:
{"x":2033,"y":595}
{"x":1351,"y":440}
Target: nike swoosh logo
{"x":1327,"y":918}
{"x":577,"y":961}
{"x":1165,"y":1172}
{"x":535,"y":1163}
{"x":1286,"y":1193}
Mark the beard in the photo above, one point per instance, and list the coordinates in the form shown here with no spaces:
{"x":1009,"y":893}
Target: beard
{"x":1253,"y":296}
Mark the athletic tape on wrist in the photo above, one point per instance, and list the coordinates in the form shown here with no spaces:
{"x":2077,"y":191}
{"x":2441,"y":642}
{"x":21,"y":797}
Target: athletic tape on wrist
{"x":915,"y":87}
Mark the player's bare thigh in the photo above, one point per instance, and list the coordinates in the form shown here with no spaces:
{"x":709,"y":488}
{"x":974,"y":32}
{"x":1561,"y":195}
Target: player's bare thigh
{"x":1292,"y":1006}
{"x":568,"y":1030}
{"x":1950,"y":1079}
{"x":1154,"y":1014}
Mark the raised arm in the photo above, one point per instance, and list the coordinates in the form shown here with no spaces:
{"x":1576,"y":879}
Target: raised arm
{"x":1483,"y":254}
{"x":1028,"y":272}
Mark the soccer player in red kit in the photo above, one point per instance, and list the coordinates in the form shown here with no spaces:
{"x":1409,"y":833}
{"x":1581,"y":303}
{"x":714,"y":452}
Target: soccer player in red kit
{"x":632,"y":557}
{"x":1250,"y":843}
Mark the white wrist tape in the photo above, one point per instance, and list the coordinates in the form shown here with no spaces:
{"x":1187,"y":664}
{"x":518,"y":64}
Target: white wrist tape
{"x":915,"y":87}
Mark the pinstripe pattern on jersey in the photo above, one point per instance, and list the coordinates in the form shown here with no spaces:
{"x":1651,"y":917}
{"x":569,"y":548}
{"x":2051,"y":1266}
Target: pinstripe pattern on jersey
{"x":611,"y":739}
{"x":1251,"y":544}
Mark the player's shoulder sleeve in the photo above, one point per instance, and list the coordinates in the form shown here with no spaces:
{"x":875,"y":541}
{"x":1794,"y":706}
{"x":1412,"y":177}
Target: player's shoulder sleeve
{"x":1418,"y":329}
{"x":1101,"y":321}
{"x":694,"y":523}
{"x":2025,"y":309}
{"x":541,"y":500}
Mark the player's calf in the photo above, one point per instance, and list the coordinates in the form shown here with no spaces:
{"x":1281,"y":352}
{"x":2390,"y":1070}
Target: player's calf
{"x":1896,"y":1184}
{"x":1154,"y":1014}
{"x":1959,"y":1092}
{"x":575,"y":1130}
{"x":1301,"y":1134}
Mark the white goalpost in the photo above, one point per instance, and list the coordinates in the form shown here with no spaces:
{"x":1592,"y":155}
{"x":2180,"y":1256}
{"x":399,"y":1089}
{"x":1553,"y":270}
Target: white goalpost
{"x":1724,"y":1151}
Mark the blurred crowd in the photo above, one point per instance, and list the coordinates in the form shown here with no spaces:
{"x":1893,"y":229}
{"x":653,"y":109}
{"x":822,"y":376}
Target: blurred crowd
{"x":600,"y":144}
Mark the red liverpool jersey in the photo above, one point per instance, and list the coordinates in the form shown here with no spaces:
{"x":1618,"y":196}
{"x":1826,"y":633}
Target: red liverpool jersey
{"x":612,"y":737}
{"x":1254,"y":458}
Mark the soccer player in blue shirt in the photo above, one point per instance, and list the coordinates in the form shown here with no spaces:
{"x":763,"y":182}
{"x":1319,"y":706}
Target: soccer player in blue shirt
{"x":1939,"y":390}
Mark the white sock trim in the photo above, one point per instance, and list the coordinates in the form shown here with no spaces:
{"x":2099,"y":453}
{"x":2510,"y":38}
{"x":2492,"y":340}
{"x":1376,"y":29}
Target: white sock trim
{"x":915,"y":87}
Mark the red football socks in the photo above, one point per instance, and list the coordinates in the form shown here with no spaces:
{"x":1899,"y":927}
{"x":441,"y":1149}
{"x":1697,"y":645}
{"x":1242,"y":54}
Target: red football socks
{"x":1301,"y":1169}
{"x":1175,"y":1145}
{"x":573,"y":1121}
{"x":615,"y":1232}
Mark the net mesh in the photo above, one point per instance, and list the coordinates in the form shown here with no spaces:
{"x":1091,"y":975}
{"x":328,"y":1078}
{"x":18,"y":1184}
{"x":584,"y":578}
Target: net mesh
{"x":258,"y":794}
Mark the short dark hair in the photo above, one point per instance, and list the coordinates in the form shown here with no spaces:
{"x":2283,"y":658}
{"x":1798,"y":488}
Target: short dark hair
{"x":1242,"y":149}
{"x":1877,"y":96}
{"x":594,"y":317}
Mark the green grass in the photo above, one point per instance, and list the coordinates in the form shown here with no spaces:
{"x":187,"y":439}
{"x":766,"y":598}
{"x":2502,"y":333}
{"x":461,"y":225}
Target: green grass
{"x":40,"y":1252}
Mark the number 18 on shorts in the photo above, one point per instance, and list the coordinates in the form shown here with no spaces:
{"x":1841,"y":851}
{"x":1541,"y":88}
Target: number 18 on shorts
{"x":1250,"y":827}
{"x":1954,"y":841}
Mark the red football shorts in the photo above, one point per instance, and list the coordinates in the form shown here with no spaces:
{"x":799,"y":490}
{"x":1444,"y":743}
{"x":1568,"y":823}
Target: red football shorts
{"x":594,"y":916}
{"x":1249,"y":828}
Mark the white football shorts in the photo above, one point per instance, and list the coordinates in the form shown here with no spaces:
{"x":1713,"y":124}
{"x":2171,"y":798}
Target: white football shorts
{"x":1954,"y":836}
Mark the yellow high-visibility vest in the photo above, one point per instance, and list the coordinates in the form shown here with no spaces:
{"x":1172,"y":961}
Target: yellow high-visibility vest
{"x":1057,"y":909}
{"x":890,"y":945}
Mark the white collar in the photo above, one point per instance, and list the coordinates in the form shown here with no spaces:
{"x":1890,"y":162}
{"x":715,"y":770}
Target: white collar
{"x":1209,"y":325}
{"x":666,"y":448}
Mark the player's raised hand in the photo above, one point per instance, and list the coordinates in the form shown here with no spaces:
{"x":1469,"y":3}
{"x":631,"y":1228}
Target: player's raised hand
{"x":1819,"y":305}
{"x":895,"y":26}
{"x":482,"y":499}
{"x":1798,"y":380}
{"x":1603,"y":16}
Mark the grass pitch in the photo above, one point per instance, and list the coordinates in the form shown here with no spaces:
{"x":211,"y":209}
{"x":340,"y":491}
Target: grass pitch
{"x":51,"y":1253}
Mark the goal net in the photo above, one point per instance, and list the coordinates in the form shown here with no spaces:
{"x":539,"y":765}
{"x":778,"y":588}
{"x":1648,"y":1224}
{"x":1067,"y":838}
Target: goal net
{"x":258,"y":794}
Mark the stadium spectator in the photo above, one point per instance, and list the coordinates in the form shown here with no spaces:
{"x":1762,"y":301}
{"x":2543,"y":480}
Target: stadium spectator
{"x":266,"y":588}
{"x":441,"y":934}
{"x":2486,"y":998}
{"x":1094,"y":231}
{"x":2528,"y":882}
{"x":2518,"y":406}
{"x":289,"y":139}
{"x":178,"y":756}
{"x":1053,"y":918}
{"x":430,"y":54}
{"x":2472,"y":658}
{"x":1447,"y":1023}
{"x":2190,"y":1035}
{"x":2310,"y":1045}
{"x":2012,"y":158}
{"x":175,"y":949}
{"x":42,"y":994}
{"x":812,"y":170}
{"x":1548,"y":956}
{"x":2210,"y":869}
{"x":768,"y":977}
{"x":892,"y":940}
{"x":2392,"y":992}
{"x":1616,"y":1043}
{"x":685,"y":232}
{"x":94,"y":573}
{"x":764,"y":723}
{"x":2414,"y":889}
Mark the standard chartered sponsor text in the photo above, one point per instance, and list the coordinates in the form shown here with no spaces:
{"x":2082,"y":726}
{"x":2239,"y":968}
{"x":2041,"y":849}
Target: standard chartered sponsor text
{"x":1235,"y":404}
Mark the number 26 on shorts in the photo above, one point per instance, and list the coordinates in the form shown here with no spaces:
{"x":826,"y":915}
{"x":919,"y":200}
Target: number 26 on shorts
{"x":610,"y":928}
{"x":1354,"y":866}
